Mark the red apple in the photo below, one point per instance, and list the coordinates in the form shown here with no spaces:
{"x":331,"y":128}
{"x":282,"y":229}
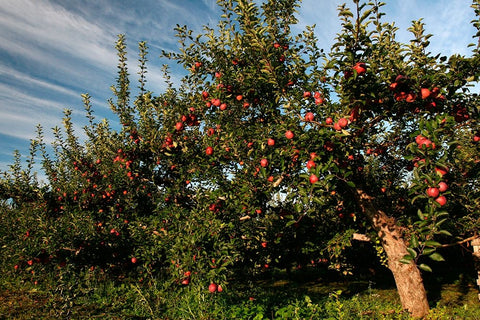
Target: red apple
{"x":329,"y":120}
{"x":216,"y":102}
{"x":313,"y":179}
{"x":307,"y":94}
{"x":442,"y":186}
{"x":185,"y":281}
{"x":419,"y":139}
{"x":271,"y":142}
{"x":219,"y":288}
{"x":441,"y":200}
{"x":212,"y":287}
{"x":179,"y":126}
{"x":433,"y":192}
{"x":264,"y":244}
{"x":309,"y":116}
{"x":342,"y":122}
{"x":209,"y":151}
{"x":289,"y":134}
{"x":435,"y":91}
{"x":360,"y":68}
{"x":423,"y":141}
{"x":441,"y":171}
{"x":476,"y":138}
{"x":410,"y":97}
{"x":310,"y":164}
{"x":264,"y":162}
{"x":239,"y":97}
{"x":425,"y":93}
{"x":337,"y":127}
{"x":134,"y":260}
{"x":223,"y":106}
{"x":427,"y":143}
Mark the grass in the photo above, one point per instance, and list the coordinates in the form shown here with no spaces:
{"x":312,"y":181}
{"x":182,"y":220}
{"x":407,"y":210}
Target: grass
{"x":301,"y":295}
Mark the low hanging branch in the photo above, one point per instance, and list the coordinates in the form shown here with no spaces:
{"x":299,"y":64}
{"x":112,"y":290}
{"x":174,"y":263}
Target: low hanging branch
{"x":460,"y":242}
{"x":361,"y":237}
{"x":365,"y":238}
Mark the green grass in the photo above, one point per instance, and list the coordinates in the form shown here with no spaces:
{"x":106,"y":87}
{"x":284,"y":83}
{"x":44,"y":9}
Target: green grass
{"x":302,"y":295}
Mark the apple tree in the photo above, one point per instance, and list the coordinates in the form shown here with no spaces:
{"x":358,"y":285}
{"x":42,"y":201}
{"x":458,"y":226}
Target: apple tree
{"x":376,"y":130}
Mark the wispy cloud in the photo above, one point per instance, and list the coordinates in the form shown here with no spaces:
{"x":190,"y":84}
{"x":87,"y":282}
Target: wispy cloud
{"x":42,"y":31}
{"x":21,"y":113}
{"x":27,"y":80}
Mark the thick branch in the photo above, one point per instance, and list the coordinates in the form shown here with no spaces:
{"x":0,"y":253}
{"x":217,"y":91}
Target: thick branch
{"x":361,"y":237}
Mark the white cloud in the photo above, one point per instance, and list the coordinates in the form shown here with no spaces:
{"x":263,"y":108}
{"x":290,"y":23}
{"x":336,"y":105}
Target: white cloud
{"x":42,"y":31}
{"x":30,"y":81}
{"x":22,"y":112}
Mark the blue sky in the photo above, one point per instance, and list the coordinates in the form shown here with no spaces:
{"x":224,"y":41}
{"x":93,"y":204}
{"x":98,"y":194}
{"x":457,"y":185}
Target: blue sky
{"x":51,"y":51}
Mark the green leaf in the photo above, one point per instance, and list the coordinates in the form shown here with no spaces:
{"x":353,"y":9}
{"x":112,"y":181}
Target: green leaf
{"x":436,"y":257}
{"x":412,"y":252}
{"x":428,"y":251}
{"x":424,"y":267}
{"x":431,"y":243}
{"x":441,"y":214}
{"x":414,"y":241}
{"x":406,"y":259}
{"x":440,"y":222}
{"x":420,"y":214}
{"x":444,"y":232}
{"x":289,"y":223}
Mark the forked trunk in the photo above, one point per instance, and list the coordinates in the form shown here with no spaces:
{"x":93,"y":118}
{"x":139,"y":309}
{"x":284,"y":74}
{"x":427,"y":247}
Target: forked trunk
{"x":407,"y":276}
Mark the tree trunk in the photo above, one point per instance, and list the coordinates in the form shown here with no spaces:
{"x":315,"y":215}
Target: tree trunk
{"x":407,"y":276}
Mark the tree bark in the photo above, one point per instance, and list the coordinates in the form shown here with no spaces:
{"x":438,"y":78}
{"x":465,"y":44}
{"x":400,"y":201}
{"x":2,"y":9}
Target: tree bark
{"x":408,"y":278}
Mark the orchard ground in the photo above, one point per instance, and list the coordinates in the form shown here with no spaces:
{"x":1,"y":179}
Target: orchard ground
{"x":308,"y":293}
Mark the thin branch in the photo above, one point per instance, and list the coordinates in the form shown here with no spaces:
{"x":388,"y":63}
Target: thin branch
{"x":460,"y":242}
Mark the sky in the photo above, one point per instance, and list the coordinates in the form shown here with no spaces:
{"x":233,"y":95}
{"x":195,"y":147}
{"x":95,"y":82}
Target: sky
{"x":52,"y":51}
